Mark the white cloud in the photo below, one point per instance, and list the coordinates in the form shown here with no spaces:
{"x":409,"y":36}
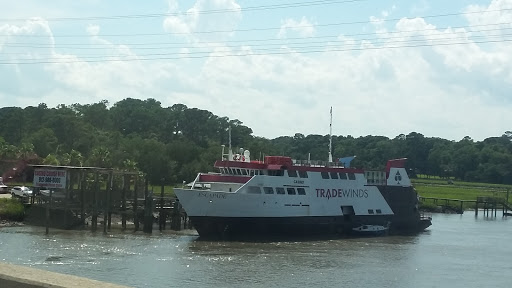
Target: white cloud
{"x":93,"y":30}
{"x":304,"y":27}
{"x":201,"y":18}
{"x":448,"y":91}
{"x":498,"y":11}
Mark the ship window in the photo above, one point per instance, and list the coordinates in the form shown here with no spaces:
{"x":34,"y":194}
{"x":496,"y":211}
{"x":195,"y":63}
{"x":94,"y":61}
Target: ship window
{"x":238,"y":171}
{"x":292,"y":173}
{"x":343,"y":176}
{"x":291,"y":191}
{"x":276,"y":172}
{"x":334,"y":175}
{"x":280,"y":190}
{"x":325,"y":175}
{"x":244,"y":171}
{"x":268,"y":190}
{"x":253,"y":190}
{"x":251,"y":173}
{"x":301,"y":191}
{"x":370,"y":211}
{"x":351,"y":176}
{"x":303,"y":174}
{"x":378,"y":211}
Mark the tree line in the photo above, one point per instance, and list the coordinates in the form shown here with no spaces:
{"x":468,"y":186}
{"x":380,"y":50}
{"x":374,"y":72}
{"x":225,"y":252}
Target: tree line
{"x":171,"y":144}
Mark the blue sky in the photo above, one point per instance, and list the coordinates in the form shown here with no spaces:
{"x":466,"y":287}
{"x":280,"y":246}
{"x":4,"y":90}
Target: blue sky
{"x":386,"y":67}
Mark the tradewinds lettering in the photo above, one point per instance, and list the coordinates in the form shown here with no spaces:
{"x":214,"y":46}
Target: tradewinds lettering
{"x":211,"y":195}
{"x":333,"y":193}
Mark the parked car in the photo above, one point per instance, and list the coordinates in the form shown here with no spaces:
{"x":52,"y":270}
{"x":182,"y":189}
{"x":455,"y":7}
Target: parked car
{"x":21,"y":191}
{"x":55,"y":193}
{"x":3,"y":188}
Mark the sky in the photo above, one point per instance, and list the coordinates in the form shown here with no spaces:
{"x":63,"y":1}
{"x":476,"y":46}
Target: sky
{"x":439,"y":68}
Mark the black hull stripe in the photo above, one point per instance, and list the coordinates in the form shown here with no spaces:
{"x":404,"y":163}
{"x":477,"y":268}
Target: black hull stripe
{"x":253,"y":228}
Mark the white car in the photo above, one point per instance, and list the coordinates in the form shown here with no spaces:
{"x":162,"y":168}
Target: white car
{"x":55,"y":194}
{"x":3,"y":188}
{"x":21,"y":191}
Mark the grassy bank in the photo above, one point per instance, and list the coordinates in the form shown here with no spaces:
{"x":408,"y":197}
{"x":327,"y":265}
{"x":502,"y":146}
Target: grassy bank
{"x":437,"y":188}
{"x":11,"y":209}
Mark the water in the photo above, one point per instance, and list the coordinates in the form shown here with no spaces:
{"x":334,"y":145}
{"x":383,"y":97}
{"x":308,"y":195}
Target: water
{"x":457,"y":251}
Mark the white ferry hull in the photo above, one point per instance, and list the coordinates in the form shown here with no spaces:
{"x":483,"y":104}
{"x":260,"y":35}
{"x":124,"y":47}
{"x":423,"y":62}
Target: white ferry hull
{"x":241,"y":219}
{"x":299,"y":200}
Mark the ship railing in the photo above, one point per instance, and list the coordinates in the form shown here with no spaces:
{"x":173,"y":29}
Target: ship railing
{"x":316,"y":163}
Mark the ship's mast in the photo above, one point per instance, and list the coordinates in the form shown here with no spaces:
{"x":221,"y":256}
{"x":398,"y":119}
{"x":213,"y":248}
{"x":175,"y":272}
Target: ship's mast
{"x":230,"y":153}
{"x":330,"y":139}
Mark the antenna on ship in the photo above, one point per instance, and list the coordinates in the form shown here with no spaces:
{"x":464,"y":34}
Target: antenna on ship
{"x":330,"y":139}
{"x":230,"y":153}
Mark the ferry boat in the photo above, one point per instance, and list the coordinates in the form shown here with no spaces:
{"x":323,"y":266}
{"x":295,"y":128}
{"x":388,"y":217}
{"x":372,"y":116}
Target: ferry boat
{"x":280,"y":196}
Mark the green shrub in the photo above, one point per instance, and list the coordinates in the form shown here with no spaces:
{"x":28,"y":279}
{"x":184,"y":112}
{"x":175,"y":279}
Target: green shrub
{"x":11,"y":209}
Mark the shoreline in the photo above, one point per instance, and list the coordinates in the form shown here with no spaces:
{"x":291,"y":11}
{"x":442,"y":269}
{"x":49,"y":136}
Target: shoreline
{"x":27,"y":277}
{"x":9,"y":223}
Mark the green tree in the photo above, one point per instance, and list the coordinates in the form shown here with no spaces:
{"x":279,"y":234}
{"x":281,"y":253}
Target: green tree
{"x":73,"y":158}
{"x":44,"y":141}
{"x":51,"y":159}
{"x":100,"y":157}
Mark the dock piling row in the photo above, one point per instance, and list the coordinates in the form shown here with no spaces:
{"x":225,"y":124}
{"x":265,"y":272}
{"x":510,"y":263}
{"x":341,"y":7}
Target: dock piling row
{"x":90,"y":193}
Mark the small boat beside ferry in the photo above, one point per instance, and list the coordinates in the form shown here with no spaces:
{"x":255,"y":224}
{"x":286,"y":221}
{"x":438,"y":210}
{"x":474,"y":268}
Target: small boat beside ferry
{"x":370,"y":230}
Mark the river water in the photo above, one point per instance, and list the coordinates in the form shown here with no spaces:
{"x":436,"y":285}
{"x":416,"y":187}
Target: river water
{"x":457,"y":251}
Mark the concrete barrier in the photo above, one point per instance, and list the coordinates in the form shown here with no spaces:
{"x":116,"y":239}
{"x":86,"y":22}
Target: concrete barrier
{"x":15,"y":276}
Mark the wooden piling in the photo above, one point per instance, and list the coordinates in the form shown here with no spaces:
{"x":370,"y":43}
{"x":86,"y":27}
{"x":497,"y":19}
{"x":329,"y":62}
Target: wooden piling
{"x":94,"y":219}
{"x":106,"y":202}
{"x":161,"y":216}
{"x":123,"y":201}
{"x":176,"y":216}
{"x":135,"y":204}
{"x":506,"y":209}
{"x":148,"y":209}
{"x":48,"y":208}
{"x":82,"y":182}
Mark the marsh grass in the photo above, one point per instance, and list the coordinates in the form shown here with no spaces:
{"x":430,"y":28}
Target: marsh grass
{"x":437,"y":188}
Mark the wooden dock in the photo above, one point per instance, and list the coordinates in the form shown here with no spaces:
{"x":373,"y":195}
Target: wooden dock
{"x":96,"y":193}
{"x":489,"y":205}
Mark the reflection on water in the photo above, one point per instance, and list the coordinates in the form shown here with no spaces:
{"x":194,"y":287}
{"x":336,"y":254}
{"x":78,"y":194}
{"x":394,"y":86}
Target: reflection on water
{"x":457,"y":251}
